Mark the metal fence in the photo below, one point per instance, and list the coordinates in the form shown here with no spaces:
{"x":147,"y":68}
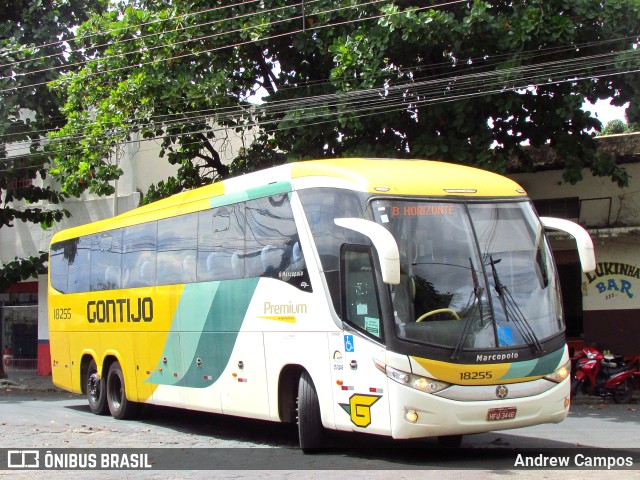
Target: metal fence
{"x":20,"y":364}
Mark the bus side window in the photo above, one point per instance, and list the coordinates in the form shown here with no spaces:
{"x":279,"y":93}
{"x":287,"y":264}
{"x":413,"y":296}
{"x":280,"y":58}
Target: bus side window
{"x":59,"y":260}
{"x":221,"y":243}
{"x":361,"y":307}
{"x":177,"y":244}
{"x":80,"y":266}
{"x":106,"y":257}
{"x":273,"y":247}
{"x":139,"y":258}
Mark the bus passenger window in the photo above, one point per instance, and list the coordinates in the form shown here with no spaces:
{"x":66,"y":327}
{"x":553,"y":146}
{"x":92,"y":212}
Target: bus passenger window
{"x":169,"y":268}
{"x":139,"y":258}
{"x":106,"y":257}
{"x":59,"y":259}
{"x":360,"y":293}
{"x":270,"y":230}
{"x":177,"y":244}
{"x":80,"y":266}
{"x":221,"y":243}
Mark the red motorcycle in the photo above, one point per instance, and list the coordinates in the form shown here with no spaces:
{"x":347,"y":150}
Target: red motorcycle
{"x":595,"y":373}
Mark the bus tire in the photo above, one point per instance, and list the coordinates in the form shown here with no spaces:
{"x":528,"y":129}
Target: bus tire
{"x":120,"y":407}
{"x":310,"y":429}
{"x":96,"y":390}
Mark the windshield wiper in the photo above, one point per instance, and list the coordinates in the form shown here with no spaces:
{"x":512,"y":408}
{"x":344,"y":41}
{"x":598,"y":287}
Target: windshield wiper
{"x":512,"y":311}
{"x":477,"y":294}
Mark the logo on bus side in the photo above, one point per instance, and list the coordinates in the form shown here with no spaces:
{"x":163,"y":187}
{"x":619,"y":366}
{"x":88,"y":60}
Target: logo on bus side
{"x":359,"y":408}
{"x":120,"y":310}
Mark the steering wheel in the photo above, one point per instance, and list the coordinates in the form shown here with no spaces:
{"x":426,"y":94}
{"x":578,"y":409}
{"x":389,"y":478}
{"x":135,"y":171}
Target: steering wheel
{"x":435,"y":312}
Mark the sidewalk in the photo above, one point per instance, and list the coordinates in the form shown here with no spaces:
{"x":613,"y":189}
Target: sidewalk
{"x":28,"y":381}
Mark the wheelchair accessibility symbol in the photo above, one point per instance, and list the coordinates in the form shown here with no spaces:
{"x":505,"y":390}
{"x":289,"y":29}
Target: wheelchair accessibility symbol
{"x":348,"y":343}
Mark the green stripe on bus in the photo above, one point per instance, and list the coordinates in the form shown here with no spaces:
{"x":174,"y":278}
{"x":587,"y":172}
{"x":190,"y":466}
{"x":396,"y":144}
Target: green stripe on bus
{"x":205,"y":328}
{"x":548,"y":364}
{"x":536,"y":367}
{"x":251,"y":194}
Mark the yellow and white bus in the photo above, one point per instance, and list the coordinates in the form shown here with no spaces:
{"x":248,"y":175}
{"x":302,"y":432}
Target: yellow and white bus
{"x":395,"y":297}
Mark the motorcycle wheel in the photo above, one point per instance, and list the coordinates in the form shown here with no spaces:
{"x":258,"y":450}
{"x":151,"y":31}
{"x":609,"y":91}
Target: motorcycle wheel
{"x":575,"y":387}
{"x":623,"y":392}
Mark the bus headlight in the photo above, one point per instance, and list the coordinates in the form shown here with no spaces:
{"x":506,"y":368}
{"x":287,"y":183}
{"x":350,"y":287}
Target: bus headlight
{"x":424,"y":384}
{"x":560,"y":374}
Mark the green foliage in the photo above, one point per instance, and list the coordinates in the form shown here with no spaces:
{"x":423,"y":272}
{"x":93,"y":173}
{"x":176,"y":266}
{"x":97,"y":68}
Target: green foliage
{"x":30,"y":56}
{"x":261,"y":154}
{"x":22,"y":269}
{"x":464,"y":82}
{"x":616,"y":127}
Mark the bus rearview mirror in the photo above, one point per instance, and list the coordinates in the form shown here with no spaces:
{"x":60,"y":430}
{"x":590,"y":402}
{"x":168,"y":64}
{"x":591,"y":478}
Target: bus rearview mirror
{"x":581,"y":236}
{"x":384,"y":243}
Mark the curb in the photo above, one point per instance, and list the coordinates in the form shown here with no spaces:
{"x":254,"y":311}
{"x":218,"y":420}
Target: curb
{"x":32,"y":383}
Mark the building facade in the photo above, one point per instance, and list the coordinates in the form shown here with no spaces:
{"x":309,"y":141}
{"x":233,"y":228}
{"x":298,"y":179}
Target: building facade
{"x":602,"y":307}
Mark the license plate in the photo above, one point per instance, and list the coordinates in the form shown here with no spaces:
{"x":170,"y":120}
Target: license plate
{"x":505,"y":413}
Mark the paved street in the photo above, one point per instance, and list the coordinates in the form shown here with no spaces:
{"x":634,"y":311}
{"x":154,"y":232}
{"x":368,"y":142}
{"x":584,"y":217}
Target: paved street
{"x":33,"y":414}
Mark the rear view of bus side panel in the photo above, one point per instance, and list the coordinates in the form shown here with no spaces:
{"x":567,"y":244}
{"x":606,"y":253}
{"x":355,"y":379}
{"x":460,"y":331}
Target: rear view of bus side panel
{"x":61,"y":371}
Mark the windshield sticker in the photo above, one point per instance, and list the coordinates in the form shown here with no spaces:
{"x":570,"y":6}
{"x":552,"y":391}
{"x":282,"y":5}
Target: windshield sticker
{"x":423,"y":210}
{"x":505,"y":336}
{"x":384,"y":218}
{"x":372,"y":325}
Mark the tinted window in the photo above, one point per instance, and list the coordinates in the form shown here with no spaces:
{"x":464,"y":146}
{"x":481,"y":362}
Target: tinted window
{"x":205,"y":246}
{"x":361,"y":298}
{"x":139,"y":258}
{"x":80,"y":266}
{"x":177,"y":250}
{"x":59,"y":264}
{"x":322,"y":206}
{"x":221,"y":243}
{"x":106,"y":256}
{"x":270,"y":234}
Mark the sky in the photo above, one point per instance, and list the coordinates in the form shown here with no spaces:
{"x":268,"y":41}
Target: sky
{"x":605,"y":112}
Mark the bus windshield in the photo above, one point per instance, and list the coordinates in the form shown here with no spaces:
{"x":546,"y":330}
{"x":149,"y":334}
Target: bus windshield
{"x":473,"y":275}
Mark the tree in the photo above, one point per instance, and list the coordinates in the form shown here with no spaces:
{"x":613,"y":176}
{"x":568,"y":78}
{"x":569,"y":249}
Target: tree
{"x":530,"y":55}
{"x":616,"y":127}
{"x":31,"y":55}
{"x":469,"y":82}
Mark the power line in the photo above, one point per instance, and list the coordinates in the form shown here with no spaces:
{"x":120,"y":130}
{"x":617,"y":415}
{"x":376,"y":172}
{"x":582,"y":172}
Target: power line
{"x":290,"y":105}
{"x":375,"y":105}
{"x":156,"y":47}
{"x":238,"y":44}
{"x":391,"y":93}
{"x":105,"y":32}
{"x":473,"y":64}
{"x":204,"y":37}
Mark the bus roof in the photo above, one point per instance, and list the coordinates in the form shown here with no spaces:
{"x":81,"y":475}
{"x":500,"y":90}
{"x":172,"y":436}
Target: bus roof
{"x":410,"y":177}
{"x":381,"y":176}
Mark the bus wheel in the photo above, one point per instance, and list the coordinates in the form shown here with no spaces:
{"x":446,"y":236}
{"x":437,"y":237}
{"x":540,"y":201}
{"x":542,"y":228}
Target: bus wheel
{"x":450,"y":441}
{"x":119,"y":406}
{"x":310,"y":429}
{"x":96,"y":392}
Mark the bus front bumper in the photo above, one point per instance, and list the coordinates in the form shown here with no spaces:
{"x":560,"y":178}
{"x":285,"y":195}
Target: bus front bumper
{"x":416,"y":414}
